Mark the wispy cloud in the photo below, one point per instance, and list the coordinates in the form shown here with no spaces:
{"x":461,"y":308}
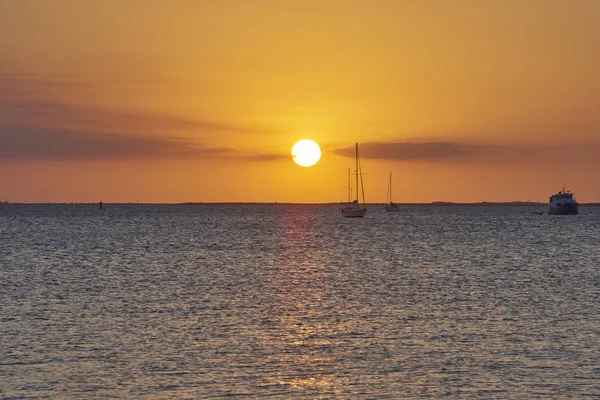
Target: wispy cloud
{"x":465,"y":152}
{"x":410,"y":150}
{"x":262,"y":157}
{"x":45,"y":144}
{"x":45,"y":114}
{"x":39,"y":100}
{"x":36,"y":124}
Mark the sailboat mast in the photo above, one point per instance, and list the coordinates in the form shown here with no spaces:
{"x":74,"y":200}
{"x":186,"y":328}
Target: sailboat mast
{"x":349,"y":187}
{"x":356,"y":173}
{"x":390,"y":188}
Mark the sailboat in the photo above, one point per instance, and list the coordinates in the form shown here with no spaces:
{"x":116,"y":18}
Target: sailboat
{"x":393,"y":207}
{"x":353,"y":209}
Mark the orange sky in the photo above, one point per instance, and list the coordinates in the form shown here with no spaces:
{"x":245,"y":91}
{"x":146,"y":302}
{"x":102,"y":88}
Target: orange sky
{"x":159,"y":101}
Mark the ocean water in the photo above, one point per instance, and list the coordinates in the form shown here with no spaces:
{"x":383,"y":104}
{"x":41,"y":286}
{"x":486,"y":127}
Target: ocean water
{"x":284,"y":301}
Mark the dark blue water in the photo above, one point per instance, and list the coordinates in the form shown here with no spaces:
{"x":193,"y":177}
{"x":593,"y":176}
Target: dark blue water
{"x":297,"y":302}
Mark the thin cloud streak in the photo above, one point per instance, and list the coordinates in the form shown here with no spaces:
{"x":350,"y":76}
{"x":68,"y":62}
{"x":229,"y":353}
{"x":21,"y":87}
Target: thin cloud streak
{"x":463,"y":153}
{"x":38,"y":101}
{"x":35,"y":124}
{"x":262,"y":157}
{"x":45,"y":114}
{"x":34,"y":144}
{"x":406,"y":151}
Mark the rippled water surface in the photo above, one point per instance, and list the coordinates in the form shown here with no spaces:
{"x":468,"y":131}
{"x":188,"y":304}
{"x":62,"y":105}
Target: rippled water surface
{"x":296,"y":302}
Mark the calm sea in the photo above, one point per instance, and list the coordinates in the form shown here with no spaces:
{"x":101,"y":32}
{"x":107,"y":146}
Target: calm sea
{"x":296,"y":302}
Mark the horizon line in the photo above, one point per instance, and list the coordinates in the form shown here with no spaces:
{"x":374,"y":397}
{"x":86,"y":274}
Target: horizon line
{"x":191,"y":203}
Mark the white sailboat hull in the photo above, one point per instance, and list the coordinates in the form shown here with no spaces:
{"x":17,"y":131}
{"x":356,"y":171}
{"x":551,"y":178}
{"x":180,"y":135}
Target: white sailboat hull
{"x":353,"y":212}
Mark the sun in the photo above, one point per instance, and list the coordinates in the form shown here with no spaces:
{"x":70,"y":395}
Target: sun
{"x":306,"y":153}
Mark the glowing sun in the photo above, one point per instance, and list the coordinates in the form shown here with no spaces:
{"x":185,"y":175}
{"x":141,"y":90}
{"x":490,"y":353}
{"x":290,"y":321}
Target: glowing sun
{"x":306,"y":153}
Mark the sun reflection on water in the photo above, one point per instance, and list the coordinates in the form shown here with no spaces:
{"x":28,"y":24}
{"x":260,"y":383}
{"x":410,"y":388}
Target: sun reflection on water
{"x":308,"y":328}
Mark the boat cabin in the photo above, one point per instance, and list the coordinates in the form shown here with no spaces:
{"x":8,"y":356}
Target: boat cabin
{"x":562,"y":195}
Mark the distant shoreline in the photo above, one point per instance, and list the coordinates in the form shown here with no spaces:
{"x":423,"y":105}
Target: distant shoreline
{"x":435,"y":203}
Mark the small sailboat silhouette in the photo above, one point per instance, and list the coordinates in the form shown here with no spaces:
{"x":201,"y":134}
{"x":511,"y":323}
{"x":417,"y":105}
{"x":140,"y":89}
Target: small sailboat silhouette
{"x":392,"y":207}
{"x":353,"y":209}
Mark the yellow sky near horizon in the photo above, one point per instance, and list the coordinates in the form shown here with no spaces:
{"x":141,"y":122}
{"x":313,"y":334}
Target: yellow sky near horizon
{"x":203,"y":100}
